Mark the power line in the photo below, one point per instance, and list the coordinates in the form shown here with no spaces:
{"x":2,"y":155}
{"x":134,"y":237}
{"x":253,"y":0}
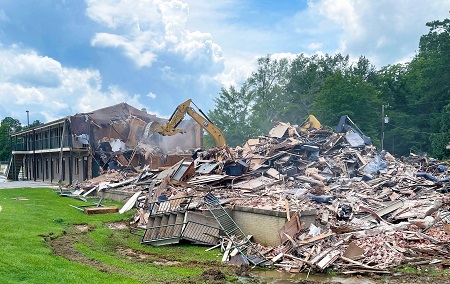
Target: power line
{"x":421,"y":114}
{"x":417,"y":131}
{"x":417,"y":104}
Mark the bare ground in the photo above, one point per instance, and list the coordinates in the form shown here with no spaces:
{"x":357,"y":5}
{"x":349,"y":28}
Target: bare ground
{"x":64,"y":246}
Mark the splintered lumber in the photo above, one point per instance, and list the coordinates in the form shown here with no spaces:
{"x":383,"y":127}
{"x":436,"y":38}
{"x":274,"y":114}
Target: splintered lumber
{"x":101,"y":210}
{"x":214,"y":247}
{"x":359,"y":263}
{"x":321,"y":255}
{"x":130,"y":203}
{"x":227,"y":252}
{"x":288,"y":212}
{"x":277,"y":257}
{"x":328,"y":259}
{"x":316,"y":238}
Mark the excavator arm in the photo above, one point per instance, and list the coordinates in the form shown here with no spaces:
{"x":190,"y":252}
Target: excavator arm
{"x":170,"y":128}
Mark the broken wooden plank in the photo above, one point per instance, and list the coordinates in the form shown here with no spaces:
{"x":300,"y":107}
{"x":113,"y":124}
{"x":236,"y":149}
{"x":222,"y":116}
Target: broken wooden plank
{"x":316,"y":238}
{"x":288,"y":212}
{"x":227,"y":252}
{"x":130,"y":203}
{"x":328,"y":260}
{"x":101,"y":210}
{"x":277,"y":257}
{"x":359,"y":263}
{"x":390,"y":208}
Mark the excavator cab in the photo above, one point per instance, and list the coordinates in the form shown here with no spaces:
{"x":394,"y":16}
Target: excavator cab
{"x":347,"y":125}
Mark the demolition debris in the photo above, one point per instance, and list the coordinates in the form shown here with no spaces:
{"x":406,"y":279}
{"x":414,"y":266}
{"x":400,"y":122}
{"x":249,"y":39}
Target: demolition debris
{"x":340,"y":203}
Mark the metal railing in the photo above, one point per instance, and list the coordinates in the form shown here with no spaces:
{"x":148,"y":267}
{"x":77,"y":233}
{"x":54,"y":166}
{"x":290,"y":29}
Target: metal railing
{"x":192,"y":231}
{"x":172,"y":205}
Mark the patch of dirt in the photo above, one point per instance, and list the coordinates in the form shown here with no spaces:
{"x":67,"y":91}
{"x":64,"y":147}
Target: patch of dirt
{"x":213,"y":274}
{"x":117,"y":226}
{"x":83,"y":228}
{"x":156,"y":259}
{"x":64,"y":247}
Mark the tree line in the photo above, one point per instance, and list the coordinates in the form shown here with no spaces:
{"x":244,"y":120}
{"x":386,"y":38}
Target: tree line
{"x":7,"y":126}
{"x":414,"y":95}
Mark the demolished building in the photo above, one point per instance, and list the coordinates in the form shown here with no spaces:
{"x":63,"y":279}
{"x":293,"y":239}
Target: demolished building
{"x":82,"y":146}
{"x":297,"y":200}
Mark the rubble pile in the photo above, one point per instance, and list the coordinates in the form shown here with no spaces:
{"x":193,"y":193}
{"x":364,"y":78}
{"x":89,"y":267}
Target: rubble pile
{"x":373,"y":211}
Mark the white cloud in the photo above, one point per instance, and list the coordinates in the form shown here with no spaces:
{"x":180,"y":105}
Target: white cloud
{"x":131,"y":48}
{"x":29,"y":81}
{"x":315,"y":45}
{"x":151,"y":95}
{"x":144,"y":29}
{"x":236,"y":76}
{"x":385,"y":31}
{"x":29,"y":69}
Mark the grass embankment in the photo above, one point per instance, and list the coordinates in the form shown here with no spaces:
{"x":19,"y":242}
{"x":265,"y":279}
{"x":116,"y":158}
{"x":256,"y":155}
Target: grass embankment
{"x":44,"y":240}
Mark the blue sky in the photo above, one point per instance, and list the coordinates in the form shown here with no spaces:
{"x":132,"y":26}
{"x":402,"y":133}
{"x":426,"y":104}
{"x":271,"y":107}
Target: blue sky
{"x":61,"y":57}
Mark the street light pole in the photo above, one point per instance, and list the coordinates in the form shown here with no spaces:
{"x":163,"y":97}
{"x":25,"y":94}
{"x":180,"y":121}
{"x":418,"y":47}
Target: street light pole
{"x":384,"y":119}
{"x":28,"y":118}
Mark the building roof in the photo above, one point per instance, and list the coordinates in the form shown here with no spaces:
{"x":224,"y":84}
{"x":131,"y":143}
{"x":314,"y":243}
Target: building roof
{"x":122,"y":111}
{"x":103,"y":116}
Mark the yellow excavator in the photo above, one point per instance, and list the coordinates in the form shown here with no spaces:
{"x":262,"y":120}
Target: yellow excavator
{"x":170,"y":128}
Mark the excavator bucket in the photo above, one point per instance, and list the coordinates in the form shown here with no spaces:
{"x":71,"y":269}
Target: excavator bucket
{"x":310,"y":123}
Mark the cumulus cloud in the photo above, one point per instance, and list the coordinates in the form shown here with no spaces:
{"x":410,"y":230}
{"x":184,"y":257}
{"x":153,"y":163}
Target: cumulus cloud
{"x":315,"y":45}
{"x":29,"y":81}
{"x":29,"y":69}
{"x":151,"y":95}
{"x":237,"y":75}
{"x":145,"y":29}
{"x":385,"y":31}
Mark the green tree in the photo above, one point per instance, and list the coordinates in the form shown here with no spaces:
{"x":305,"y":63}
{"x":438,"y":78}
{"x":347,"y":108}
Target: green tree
{"x":345,"y":94}
{"x":267,"y":86}
{"x":391,"y":83}
{"x":232,"y":114}
{"x":306,"y":78}
{"x":429,"y":89}
{"x":7,"y":126}
{"x":33,"y":124}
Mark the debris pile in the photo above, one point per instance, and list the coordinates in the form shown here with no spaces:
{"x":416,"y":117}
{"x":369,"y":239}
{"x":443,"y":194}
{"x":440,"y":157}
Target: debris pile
{"x":372,"y":211}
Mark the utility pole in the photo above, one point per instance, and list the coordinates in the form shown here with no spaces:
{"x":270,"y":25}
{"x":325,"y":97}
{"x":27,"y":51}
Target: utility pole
{"x":384,"y":119}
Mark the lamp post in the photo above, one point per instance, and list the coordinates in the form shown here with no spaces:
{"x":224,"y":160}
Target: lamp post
{"x":28,"y":118}
{"x":384,"y":120}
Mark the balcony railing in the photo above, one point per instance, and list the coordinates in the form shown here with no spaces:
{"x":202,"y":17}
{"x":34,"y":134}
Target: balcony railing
{"x":40,"y":144}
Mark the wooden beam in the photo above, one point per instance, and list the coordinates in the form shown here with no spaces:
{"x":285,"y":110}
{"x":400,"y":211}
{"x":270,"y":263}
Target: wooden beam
{"x":101,"y":210}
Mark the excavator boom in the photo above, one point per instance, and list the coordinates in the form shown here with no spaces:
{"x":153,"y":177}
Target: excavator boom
{"x":170,"y":128}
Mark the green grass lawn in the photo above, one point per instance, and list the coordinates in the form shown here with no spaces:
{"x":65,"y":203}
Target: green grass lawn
{"x":40,"y":225}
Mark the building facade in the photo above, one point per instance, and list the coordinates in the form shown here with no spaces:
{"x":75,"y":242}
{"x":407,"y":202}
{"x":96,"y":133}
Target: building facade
{"x":82,"y":146}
